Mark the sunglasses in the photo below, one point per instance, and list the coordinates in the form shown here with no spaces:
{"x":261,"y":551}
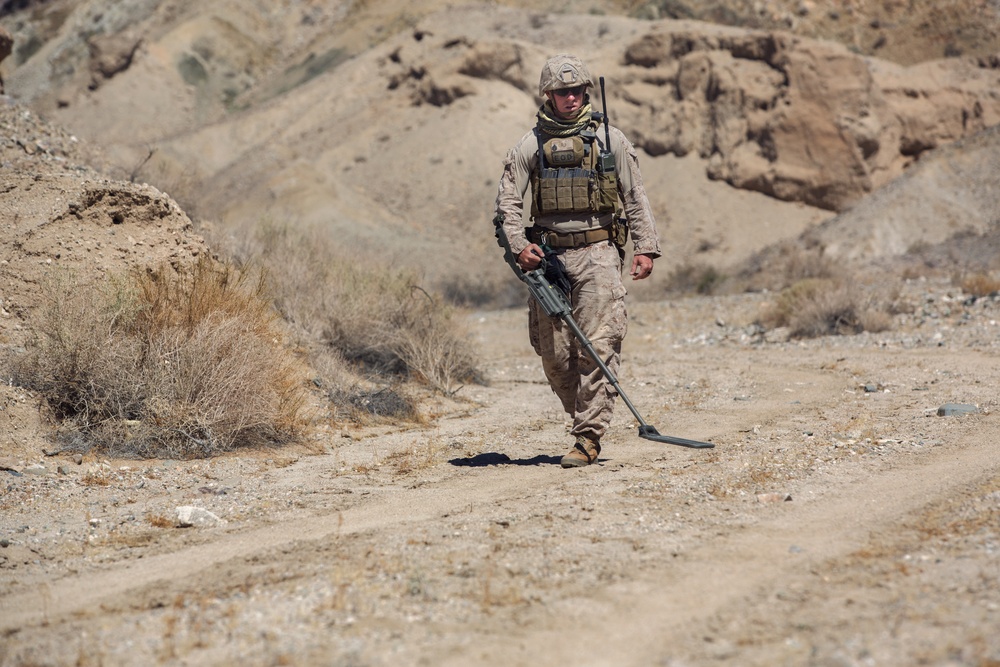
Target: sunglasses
{"x":575,"y":91}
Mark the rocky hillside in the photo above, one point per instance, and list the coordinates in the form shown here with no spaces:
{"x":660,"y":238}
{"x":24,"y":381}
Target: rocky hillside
{"x":384,"y":125}
{"x":902,"y":32}
{"x":950,"y":194}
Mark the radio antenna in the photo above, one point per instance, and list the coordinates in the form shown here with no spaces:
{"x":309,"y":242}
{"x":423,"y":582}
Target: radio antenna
{"x":604,"y":109}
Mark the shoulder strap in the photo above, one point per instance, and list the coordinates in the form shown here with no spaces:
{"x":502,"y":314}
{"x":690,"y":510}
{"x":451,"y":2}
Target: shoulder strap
{"x":541,"y":151}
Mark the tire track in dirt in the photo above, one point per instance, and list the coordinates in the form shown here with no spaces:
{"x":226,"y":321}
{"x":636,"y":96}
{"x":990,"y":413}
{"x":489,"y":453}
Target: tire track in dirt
{"x":637,"y":622}
{"x":75,"y":595}
{"x":141,"y":579}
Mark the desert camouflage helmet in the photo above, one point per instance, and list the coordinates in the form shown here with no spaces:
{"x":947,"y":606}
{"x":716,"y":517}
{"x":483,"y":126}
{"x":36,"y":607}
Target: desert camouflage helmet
{"x":563,"y":71}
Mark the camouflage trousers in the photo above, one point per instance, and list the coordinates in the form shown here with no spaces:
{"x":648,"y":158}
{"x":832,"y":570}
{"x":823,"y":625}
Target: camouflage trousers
{"x":598,"y":300}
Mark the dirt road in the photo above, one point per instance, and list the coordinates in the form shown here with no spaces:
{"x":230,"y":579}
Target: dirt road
{"x":838,"y":521}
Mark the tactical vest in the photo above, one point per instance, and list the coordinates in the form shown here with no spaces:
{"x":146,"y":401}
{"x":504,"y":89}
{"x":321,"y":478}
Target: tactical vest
{"x":568,"y":178}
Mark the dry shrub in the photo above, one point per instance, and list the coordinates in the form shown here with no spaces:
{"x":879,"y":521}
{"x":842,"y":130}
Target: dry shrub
{"x":159,"y":364}
{"x":786,"y":263}
{"x":434,"y":346}
{"x":492,"y":288}
{"x":695,"y":278}
{"x":374,"y":316}
{"x":979,"y":285}
{"x":820,"y":307}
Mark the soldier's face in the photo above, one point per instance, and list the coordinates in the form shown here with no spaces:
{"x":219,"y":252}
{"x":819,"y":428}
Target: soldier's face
{"x":567,"y":101}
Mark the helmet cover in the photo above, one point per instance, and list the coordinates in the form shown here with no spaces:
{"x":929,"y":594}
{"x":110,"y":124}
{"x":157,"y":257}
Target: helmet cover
{"x":563,"y":71}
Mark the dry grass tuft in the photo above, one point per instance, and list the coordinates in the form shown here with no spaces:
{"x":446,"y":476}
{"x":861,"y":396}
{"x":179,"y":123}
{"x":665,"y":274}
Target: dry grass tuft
{"x":979,"y":285}
{"x":414,"y":460}
{"x":160,"y":521}
{"x":156,"y":364}
{"x":821,"y":307}
{"x":95,"y":479}
{"x":375,"y":317}
{"x":785,"y":264}
{"x":373,"y":406}
{"x":695,"y":278}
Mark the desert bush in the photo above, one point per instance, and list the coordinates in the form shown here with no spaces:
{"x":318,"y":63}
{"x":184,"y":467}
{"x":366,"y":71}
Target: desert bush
{"x":979,"y":284}
{"x":484,"y":289}
{"x":786,"y":263}
{"x":820,"y":306}
{"x":374,"y":316}
{"x":433,"y":345}
{"x":697,"y":278}
{"x":160,"y":364}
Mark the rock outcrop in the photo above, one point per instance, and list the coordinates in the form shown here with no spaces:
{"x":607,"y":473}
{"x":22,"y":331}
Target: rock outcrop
{"x":955,"y":191}
{"x":798,"y":119}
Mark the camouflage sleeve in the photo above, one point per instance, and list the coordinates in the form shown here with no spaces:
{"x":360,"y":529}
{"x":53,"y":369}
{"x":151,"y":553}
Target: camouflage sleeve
{"x":513,"y":186}
{"x":645,"y":239}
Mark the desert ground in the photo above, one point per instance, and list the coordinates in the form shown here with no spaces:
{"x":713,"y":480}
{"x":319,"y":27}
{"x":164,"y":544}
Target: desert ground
{"x":839,"y":520}
{"x":846,"y":515}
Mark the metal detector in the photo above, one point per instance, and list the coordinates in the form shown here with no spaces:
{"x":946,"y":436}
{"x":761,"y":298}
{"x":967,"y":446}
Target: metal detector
{"x":555,"y":304}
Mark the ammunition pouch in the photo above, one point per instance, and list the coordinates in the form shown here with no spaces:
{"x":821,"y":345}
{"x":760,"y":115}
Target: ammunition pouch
{"x":575,"y":190}
{"x":564,"y":190}
{"x":607,"y":191}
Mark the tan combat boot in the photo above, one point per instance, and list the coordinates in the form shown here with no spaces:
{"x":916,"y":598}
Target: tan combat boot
{"x":584,"y":453}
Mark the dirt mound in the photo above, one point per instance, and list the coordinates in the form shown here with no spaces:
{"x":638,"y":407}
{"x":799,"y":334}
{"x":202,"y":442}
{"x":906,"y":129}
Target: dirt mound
{"x":58,"y":215}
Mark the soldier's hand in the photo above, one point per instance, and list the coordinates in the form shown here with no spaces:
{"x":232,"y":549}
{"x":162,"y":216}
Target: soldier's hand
{"x":642,"y":266}
{"x":530,"y":257}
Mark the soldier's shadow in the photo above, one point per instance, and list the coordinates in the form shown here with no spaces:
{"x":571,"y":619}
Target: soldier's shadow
{"x":497,"y":459}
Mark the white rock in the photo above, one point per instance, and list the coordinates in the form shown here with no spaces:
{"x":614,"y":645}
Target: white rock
{"x":188,"y":516}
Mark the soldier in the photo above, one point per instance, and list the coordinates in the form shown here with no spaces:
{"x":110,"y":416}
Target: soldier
{"x":575,"y":209}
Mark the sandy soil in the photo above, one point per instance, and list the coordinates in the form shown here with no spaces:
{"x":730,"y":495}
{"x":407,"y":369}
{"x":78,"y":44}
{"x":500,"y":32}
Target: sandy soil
{"x":839,"y":520}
